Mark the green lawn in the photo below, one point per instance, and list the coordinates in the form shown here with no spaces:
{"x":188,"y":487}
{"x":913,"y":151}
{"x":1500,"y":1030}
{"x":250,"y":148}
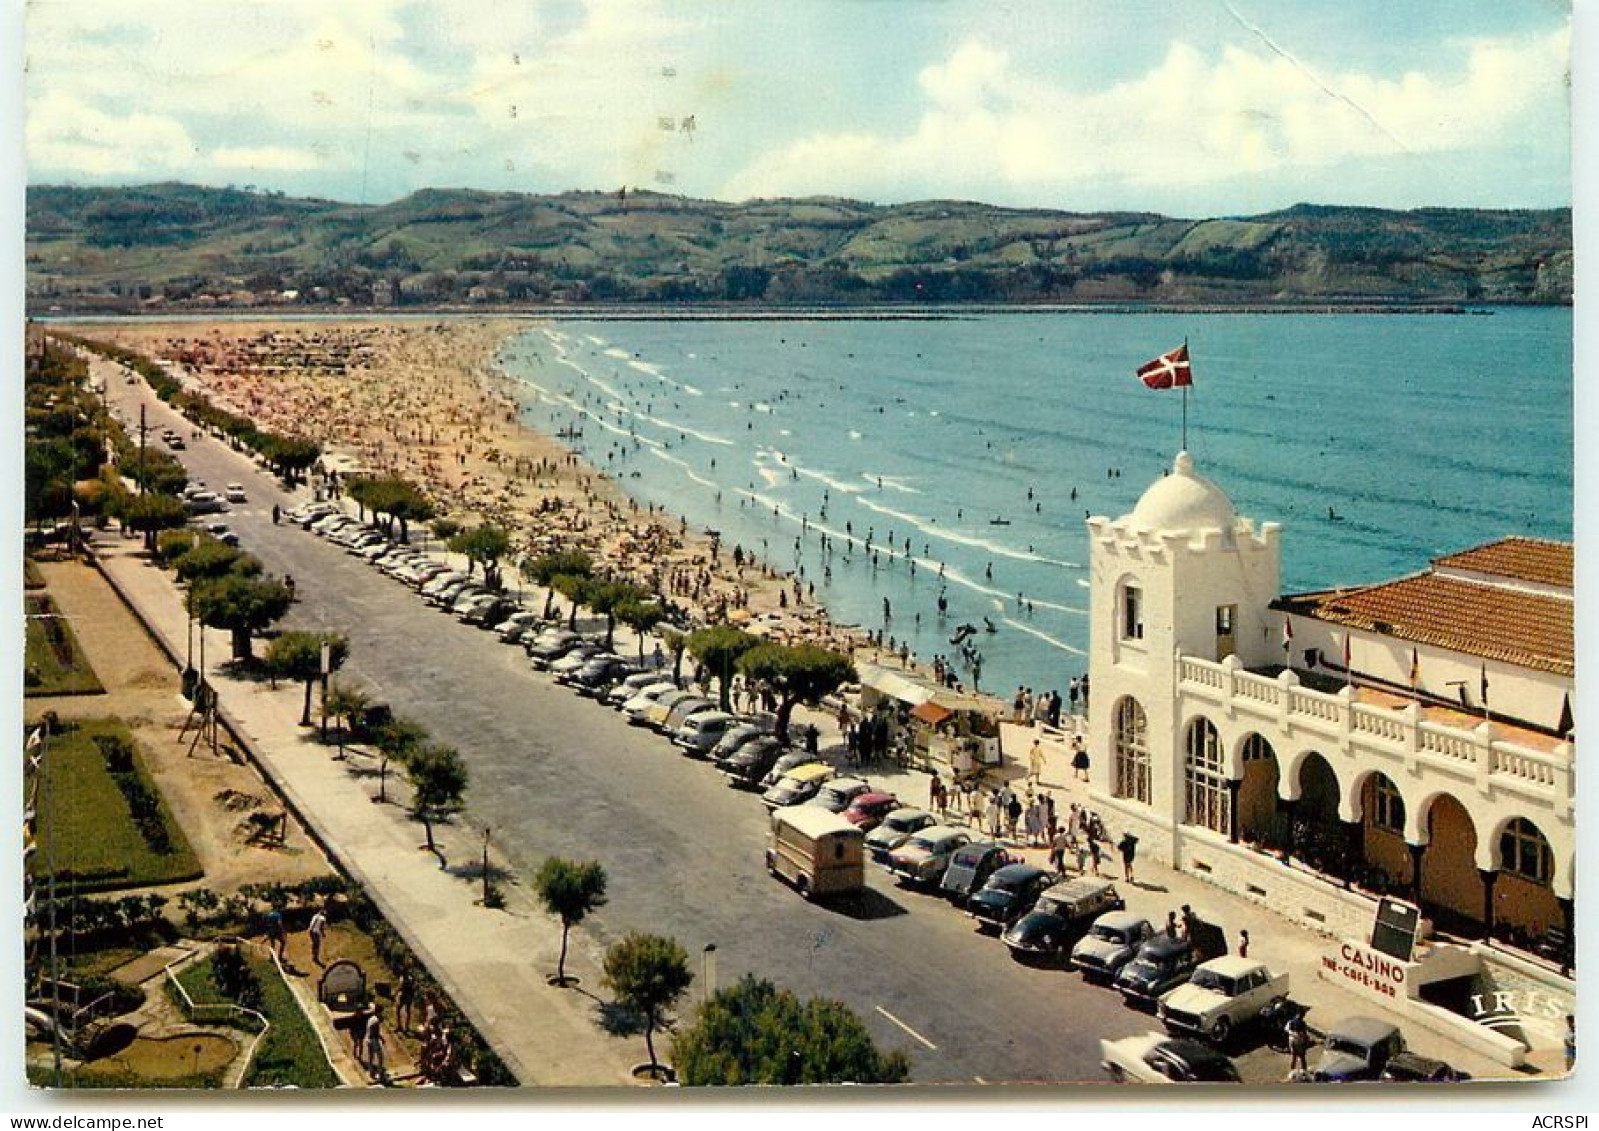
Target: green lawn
{"x":291,"y":1053}
{"x":86,"y":830}
{"x":54,"y":664}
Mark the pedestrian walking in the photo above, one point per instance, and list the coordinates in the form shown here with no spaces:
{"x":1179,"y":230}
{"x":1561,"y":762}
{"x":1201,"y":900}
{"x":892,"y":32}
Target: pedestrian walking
{"x":1051,"y":821}
{"x":275,"y":931}
{"x":1035,"y":761}
{"x":1298,"y":1044}
{"x":316,"y":930}
{"x":994,"y":814}
{"x":1128,"y":847}
{"x":375,"y":1060}
{"x":1013,"y":814}
{"x":1080,"y":758}
{"x":1093,"y":855}
{"x":1190,"y":922}
{"x":276,"y":514}
{"x":1058,"y":844}
{"x":1243,"y":944}
{"x":404,"y":1002}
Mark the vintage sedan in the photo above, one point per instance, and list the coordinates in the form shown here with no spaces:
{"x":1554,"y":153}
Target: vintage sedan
{"x":868,"y":809}
{"x":1155,"y":1058}
{"x":898,"y":827}
{"x":1063,"y":912}
{"x":1008,"y":895}
{"x":921,"y":860}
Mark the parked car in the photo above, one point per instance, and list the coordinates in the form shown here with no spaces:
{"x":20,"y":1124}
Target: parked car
{"x":837,"y":794}
{"x":1111,"y":942}
{"x":311,"y":513}
{"x":1163,"y":963}
{"x":575,"y":657}
{"x":442,"y":581}
{"x":487,"y":608}
{"x":551,"y":646}
{"x":655,"y":715}
{"x":751,"y":761}
{"x":970,"y":868}
{"x":683,"y":710}
{"x":634,"y":684}
{"x":234,"y":493}
{"x":1155,"y":1058}
{"x":735,"y":737}
{"x":1412,"y":1068}
{"x":418,"y":575}
{"x":897,"y":827}
{"x":518,"y":622}
{"x":1008,"y":895}
{"x":698,"y":734}
{"x":1224,"y":995}
{"x":462,"y":598}
{"x":922,"y":859}
{"x":797,"y":786}
{"x":376,"y":550}
{"x":598,"y":674}
{"x":1358,"y":1048}
{"x":868,"y":809}
{"x":786,"y":762}
{"x":204,"y":502}
{"x":1064,"y":911}
{"x":633,"y":710}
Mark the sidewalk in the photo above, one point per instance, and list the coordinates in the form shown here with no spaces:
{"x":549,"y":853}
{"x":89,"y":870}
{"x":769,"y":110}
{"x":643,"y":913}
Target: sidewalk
{"x":493,"y":963}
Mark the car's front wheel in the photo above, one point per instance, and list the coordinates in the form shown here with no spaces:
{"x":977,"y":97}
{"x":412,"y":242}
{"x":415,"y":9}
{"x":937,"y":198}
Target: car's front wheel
{"x":1221,"y":1030}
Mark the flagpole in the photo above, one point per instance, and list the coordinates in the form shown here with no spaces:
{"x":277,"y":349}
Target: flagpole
{"x":1185,"y":394}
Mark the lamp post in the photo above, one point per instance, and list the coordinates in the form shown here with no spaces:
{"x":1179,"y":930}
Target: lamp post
{"x":707,"y":972}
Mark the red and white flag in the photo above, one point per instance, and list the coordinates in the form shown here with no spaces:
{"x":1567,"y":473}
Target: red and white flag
{"x":1169,"y":370}
{"x":1288,"y":633}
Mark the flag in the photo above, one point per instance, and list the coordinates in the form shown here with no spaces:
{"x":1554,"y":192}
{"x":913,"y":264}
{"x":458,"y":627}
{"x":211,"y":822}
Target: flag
{"x":1415,"y":667}
{"x":1288,"y":633}
{"x":1169,"y":370}
{"x":1483,"y":687}
{"x":1568,"y":721}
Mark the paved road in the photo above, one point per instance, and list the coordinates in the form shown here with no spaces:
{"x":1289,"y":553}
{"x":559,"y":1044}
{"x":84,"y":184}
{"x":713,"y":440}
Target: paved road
{"x":554,"y":773}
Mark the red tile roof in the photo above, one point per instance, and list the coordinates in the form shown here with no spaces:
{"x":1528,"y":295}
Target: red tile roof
{"x":1531,"y":630}
{"x":1523,"y":559}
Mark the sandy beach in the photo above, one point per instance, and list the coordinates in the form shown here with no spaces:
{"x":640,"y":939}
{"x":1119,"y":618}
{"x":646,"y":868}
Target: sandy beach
{"x":425,"y":401}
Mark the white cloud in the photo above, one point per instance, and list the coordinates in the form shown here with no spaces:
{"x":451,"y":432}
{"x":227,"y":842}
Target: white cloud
{"x":264,"y":158}
{"x":1191,"y":120}
{"x":66,"y":133}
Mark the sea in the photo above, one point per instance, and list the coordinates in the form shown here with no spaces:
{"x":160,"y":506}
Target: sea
{"x":900,"y":464}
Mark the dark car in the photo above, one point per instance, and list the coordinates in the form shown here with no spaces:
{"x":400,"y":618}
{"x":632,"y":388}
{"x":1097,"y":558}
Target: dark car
{"x":597,"y":675}
{"x":1358,"y":1048}
{"x":1064,"y":911}
{"x":970,"y":869}
{"x":752,"y":761}
{"x":552,"y":645}
{"x":1162,"y":963}
{"x":729,"y":743}
{"x":1413,"y":1068}
{"x":1008,"y":895}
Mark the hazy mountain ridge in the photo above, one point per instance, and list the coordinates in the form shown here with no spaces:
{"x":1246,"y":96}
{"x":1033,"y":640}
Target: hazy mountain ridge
{"x":176,"y":245}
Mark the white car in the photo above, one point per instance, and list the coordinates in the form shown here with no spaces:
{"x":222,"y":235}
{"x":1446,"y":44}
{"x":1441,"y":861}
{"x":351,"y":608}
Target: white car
{"x":1155,"y":1058}
{"x":234,"y":492}
{"x":635,"y":707}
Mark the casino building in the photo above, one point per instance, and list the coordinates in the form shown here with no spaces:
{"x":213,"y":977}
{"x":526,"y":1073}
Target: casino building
{"x":1315,"y":751}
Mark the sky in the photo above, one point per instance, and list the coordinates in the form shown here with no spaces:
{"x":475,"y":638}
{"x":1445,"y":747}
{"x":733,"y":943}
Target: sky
{"x":1188,"y":107}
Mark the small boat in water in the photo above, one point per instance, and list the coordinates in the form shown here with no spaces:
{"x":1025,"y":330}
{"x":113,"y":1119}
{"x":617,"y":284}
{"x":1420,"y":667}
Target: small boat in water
{"x":997,"y":521}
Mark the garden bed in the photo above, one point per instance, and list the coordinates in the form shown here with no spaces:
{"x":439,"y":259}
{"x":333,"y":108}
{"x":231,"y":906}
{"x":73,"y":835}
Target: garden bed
{"x":101,"y":823}
{"x":53,"y":661}
{"x":291,"y":1054}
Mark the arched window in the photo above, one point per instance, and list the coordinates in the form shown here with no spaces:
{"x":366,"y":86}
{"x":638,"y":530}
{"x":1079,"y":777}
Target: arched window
{"x":1387,"y":806}
{"x":1131,"y":741}
{"x":1524,"y":852}
{"x":1208,"y":802}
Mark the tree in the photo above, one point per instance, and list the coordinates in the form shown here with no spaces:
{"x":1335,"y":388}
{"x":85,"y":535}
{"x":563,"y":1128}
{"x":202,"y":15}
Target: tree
{"x":483,"y":545}
{"x":648,"y":973}
{"x":397,"y":740}
{"x":606,"y":597}
{"x":569,"y":890}
{"x":438,"y":783}
{"x":298,"y":655}
{"x":209,"y":557}
{"x":290,"y":455}
{"x":676,"y":642}
{"x":574,"y":588}
{"x":544,"y":569}
{"x":152,"y":513}
{"x":755,"y":1033}
{"x":347,"y":705}
{"x":640,"y":616}
{"x":718,"y":649}
{"x":798,"y":673}
{"x":241,"y":605}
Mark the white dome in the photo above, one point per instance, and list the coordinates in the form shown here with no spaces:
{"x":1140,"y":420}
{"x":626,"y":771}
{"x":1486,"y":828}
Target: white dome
{"x":1184,"y":501}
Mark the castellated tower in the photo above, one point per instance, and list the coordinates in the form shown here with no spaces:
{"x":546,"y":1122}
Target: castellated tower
{"x":1182,"y":575}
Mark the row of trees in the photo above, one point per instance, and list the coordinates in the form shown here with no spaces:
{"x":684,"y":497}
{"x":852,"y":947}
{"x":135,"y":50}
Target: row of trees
{"x":227,"y":588}
{"x":749,"y":1033}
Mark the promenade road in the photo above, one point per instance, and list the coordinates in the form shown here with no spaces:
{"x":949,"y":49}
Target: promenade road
{"x":556,"y":774}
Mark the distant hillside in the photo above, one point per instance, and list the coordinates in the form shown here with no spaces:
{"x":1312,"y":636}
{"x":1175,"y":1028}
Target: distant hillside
{"x":175,"y":245}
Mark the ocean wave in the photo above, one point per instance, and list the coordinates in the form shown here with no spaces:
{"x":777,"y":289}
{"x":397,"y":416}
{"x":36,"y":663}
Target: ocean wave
{"x":1044,"y":636}
{"x":932,"y":530}
{"x":686,"y":469}
{"x":890,"y":483}
{"x":673,"y":426}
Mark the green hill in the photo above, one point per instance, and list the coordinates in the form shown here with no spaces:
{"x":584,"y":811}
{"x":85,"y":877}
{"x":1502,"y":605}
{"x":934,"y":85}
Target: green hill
{"x":176,"y":245}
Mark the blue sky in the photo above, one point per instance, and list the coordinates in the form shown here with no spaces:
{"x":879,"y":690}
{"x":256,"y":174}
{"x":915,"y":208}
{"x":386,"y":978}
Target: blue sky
{"x":1190,"y":107}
